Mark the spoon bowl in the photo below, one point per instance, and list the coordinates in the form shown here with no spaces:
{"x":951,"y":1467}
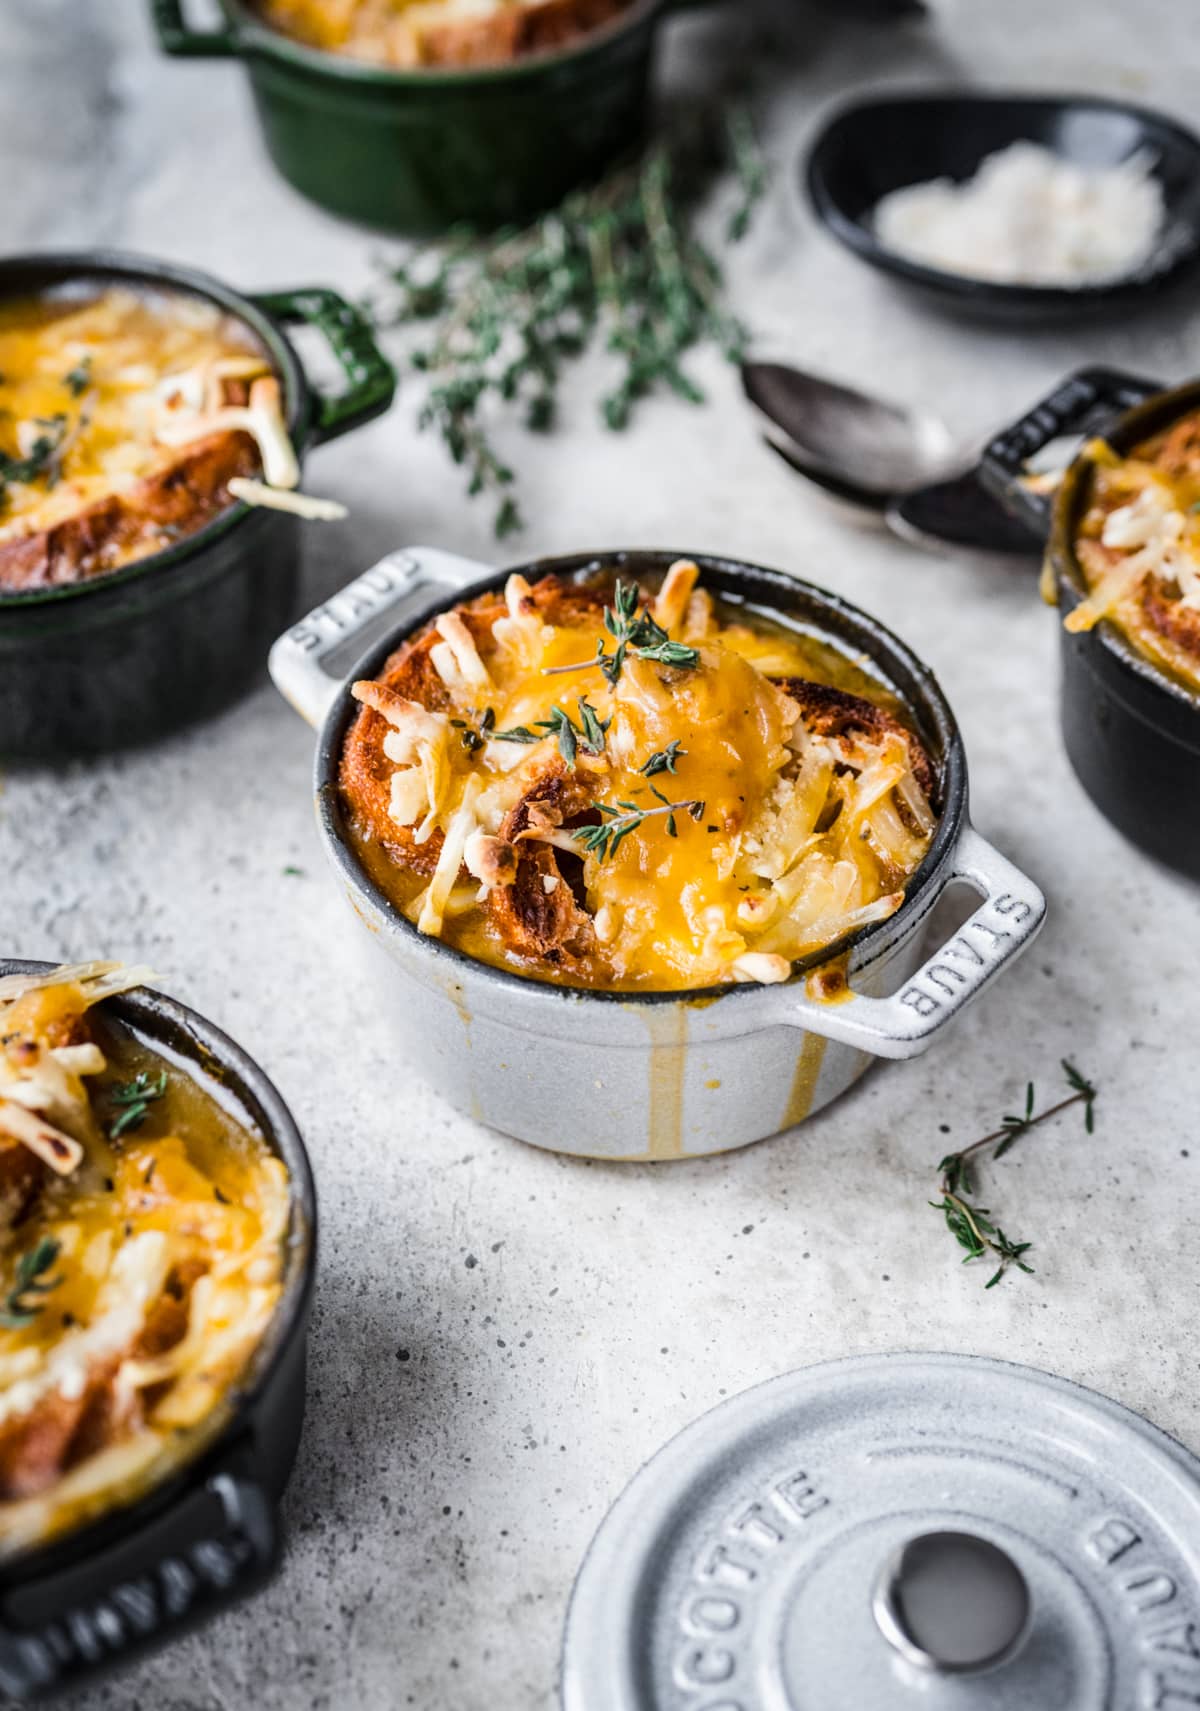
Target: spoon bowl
{"x":897,"y":466}
{"x":868,"y":449}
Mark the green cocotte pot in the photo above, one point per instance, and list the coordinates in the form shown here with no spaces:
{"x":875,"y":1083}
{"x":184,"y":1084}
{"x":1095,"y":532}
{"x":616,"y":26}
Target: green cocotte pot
{"x":174,"y":637}
{"x":418,"y":151}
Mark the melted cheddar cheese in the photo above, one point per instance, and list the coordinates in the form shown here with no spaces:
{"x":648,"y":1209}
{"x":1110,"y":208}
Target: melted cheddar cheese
{"x":140,"y":1264}
{"x":739,"y":837}
{"x":99,"y":393}
{"x":406,"y":34}
{"x":1138,"y":546}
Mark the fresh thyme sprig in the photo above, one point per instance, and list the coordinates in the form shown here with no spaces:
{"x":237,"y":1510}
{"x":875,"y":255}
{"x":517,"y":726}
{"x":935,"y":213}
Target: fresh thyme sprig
{"x":605,"y":840}
{"x":134,"y":1098}
{"x":634,"y":631}
{"x":662,"y":760}
{"x":31,"y":1279}
{"x":40,"y":460}
{"x":620,"y":261}
{"x":587,"y":735}
{"x":634,"y":628}
{"x":972,"y":1226}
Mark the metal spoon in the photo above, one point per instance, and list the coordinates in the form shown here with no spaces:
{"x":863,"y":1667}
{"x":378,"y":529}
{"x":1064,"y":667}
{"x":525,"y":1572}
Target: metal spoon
{"x":900,"y":465}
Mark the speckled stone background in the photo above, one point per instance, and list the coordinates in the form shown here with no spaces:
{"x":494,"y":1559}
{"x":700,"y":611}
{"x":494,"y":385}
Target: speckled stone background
{"x":502,"y":1336}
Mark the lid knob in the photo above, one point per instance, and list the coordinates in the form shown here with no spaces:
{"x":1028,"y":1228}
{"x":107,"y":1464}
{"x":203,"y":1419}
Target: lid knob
{"x":952,"y":1602}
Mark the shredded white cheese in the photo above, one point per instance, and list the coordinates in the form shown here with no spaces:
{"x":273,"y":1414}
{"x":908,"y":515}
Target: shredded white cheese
{"x":1029,"y":217}
{"x":1151,"y":532}
{"x":282,"y":499}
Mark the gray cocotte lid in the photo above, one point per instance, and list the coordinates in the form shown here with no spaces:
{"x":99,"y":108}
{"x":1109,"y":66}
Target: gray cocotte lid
{"x":936,"y":1531}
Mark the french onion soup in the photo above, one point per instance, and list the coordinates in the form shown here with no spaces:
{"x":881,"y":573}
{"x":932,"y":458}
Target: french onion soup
{"x":128,"y":419}
{"x":606,"y":786}
{"x":1138,"y":546}
{"x":142,"y":1234}
{"x":408,"y":34}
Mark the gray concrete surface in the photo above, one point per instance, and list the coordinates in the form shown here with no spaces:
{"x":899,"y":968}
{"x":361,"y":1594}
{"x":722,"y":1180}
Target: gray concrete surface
{"x":502,"y":1336}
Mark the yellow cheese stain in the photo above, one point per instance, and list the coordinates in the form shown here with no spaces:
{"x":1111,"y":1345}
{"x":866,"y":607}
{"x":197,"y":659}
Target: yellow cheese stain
{"x":668,"y":1061}
{"x":804,"y":1080}
{"x":454,"y":992}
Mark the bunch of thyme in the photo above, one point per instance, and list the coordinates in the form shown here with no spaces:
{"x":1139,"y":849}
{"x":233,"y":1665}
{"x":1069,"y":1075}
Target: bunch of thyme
{"x":973,"y":1226}
{"x":621,"y":260}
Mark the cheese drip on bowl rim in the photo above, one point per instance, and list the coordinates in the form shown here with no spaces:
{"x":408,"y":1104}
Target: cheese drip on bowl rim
{"x":711,"y":812}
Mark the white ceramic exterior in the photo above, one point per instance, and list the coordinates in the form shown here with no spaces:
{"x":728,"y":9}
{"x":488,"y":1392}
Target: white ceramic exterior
{"x":632,"y":1076}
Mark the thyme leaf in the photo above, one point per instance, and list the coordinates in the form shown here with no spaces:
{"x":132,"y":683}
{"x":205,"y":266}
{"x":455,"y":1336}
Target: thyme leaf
{"x":662,"y":760}
{"x":973,"y":1226}
{"x":518,"y":734}
{"x":40,"y":461}
{"x":31,"y":1279}
{"x":594,"y":728}
{"x":471,"y":737}
{"x":80,"y":377}
{"x":133,"y":1098}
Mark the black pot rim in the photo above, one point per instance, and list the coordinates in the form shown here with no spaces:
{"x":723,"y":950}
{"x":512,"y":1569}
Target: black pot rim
{"x":254,"y":35}
{"x":142,"y":1010}
{"x":963,"y":288}
{"x":937,"y":719}
{"x":148,"y":271}
{"x":1128,"y":659}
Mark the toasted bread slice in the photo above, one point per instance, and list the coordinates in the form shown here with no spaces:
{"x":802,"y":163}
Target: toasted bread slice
{"x":830,"y":712}
{"x":365,"y":773}
{"x":538,"y":914}
{"x":177,"y":500}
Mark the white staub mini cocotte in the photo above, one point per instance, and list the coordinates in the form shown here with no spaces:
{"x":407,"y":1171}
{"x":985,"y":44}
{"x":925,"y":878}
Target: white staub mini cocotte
{"x":713,"y":1070}
{"x":1029,"y":217}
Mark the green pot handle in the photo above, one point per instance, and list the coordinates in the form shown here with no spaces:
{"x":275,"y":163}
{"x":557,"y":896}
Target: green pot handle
{"x":370,"y":377}
{"x":176,"y":37}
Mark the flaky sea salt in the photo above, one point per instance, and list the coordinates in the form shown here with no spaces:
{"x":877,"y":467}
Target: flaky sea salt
{"x":1029,"y":217}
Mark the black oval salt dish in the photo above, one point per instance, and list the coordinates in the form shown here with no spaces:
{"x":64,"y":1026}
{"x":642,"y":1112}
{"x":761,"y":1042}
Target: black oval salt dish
{"x":206,"y":1534}
{"x":1131,"y":729}
{"x":872,"y":147}
{"x":128,"y":656}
